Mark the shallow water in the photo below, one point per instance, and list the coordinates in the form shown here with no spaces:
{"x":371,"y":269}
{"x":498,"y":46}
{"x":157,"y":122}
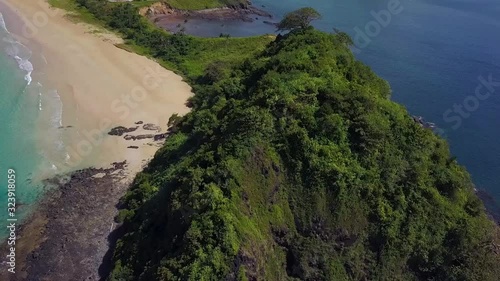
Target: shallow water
{"x":30,"y":115}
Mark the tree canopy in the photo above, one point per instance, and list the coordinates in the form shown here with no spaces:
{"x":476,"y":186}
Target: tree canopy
{"x":293,"y":164}
{"x":300,"y":18}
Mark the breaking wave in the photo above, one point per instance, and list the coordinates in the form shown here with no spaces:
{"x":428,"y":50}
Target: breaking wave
{"x":16,"y":50}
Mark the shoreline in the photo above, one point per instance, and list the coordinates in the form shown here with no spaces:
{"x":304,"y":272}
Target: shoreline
{"x":68,"y":239}
{"x":101,"y":87}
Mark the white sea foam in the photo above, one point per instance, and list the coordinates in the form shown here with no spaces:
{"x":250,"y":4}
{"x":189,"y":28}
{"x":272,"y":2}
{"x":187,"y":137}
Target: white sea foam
{"x":57,"y":110}
{"x":2,"y":24}
{"x":17,"y":51}
{"x":40,"y":96}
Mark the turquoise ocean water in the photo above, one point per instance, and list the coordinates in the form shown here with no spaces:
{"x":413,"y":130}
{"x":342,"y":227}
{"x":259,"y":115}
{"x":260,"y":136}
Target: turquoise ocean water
{"x":21,"y":101}
{"x":18,"y":113}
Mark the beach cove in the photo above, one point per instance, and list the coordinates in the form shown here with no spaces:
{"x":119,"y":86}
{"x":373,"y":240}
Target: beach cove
{"x":100,"y":86}
{"x":87,"y":86}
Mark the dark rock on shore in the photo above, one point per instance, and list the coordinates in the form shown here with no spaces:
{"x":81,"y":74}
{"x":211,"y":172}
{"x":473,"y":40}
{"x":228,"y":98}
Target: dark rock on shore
{"x":139,"y":137}
{"x":420,"y":120}
{"x":133,"y":146}
{"x":120,"y":130}
{"x":156,"y":137}
{"x":492,"y":206}
{"x":70,"y":234}
{"x":159,"y":137}
{"x":151,"y":127}
{"x":139,"y":122}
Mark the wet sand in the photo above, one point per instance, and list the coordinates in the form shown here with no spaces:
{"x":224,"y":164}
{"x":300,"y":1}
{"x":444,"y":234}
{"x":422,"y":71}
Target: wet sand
{"x":100,"y":86}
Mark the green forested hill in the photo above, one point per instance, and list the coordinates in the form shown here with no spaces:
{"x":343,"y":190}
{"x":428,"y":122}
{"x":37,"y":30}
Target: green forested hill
{"x":295,"y":165}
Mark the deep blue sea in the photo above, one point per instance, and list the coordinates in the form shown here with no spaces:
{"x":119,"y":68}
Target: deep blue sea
{"x":441,"y":57}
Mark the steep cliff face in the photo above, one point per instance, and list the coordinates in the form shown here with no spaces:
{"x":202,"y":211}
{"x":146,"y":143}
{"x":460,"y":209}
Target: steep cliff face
{"x":227,"y":11}
{"x":173,"y":7}
{"x":297,"y":166}
{"x":158,"y":8}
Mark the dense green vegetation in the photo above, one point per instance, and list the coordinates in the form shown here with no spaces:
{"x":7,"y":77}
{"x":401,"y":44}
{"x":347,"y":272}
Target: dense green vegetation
{"x":293,"y":165}
{"x":300,"y":18}
{"x":187,"y":55}
{"x":296,"y":165}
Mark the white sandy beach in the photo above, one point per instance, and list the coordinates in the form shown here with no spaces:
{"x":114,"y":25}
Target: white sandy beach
{"x":100,"y":85}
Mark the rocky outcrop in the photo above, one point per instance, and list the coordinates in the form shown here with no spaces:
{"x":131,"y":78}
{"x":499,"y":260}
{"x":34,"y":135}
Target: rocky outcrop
{"x":120,"y":130}
{"x":420,"y":120}
{"x":243,"y":11}
{"x":139,"y":137}
{"x":151,"y":127}
{"x":158,"y":8}
{"x":159,"y":137}
{"x":72,"y":232}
